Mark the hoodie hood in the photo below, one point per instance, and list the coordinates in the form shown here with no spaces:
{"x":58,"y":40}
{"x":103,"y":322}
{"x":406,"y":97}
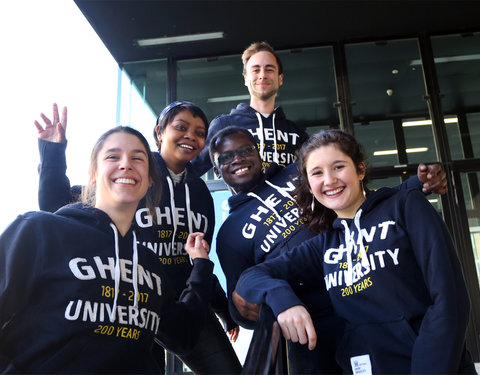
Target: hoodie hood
{"x":244,"y":109}
{"x":238,"y":199}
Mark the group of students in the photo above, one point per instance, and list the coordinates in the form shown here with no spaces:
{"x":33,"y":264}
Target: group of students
{"x":359,"y":281}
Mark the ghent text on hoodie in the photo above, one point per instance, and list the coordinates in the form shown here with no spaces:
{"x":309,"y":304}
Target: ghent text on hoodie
{"x":77,"y":297}
{"x":185,"y":207}
{"x":392,"y":272}
{"x":278,"y":138}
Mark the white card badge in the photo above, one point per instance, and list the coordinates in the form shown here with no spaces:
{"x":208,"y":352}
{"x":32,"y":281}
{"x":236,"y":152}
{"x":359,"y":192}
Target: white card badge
{"x":361,"y":365}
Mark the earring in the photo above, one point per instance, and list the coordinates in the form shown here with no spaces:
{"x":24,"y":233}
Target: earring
{"x":363,"y":188}
{"x":312,"y":207}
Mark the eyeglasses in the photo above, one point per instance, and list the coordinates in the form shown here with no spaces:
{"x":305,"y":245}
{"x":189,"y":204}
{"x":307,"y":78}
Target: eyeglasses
{"x":228,"y":156}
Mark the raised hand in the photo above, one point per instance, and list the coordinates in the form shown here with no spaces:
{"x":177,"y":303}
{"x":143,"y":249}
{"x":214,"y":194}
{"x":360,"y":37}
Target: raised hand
{"x":433,"y":178}
{"x":196,"y":246}
{"x":54,"y":130}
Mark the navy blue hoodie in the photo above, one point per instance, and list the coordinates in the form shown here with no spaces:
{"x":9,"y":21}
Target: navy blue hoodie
{"x":278,"y":138}
{"x":263,"y":224}
{"x":392,"y":273}
{"x":184,"y":208}
{"x":77,"y":297}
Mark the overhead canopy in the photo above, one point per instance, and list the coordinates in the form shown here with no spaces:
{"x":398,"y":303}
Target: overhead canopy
{"x":284,"y":24}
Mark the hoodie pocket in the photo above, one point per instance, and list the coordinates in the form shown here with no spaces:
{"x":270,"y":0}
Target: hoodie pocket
{"x":389,"y":345}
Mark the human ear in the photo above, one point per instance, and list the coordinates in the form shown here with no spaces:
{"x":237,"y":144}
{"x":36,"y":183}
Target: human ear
{"x":362,"y":170}
{"x":217,"y":172}
{"x":157,"y":132}
{"x":280,"y":79}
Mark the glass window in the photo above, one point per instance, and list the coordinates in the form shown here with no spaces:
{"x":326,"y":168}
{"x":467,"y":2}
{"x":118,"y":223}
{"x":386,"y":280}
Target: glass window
{"x":386,"y":84}
{"x":470,"y":184}
{"x":214,"y":84}
{"x":473,"y":121}
{"x":378,"y":139}
{"x":419,"y":142}
{"x":306,"y":96}
{"x":142,"y":95}
{"x":457,"y":61}
{"x":308,"y":90}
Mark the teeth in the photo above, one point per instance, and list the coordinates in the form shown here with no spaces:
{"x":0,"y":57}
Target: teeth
{"x":241,"y":170}
{"x":333,"y":192}
{"x":186,"y":146}
{"x":125,"y":181}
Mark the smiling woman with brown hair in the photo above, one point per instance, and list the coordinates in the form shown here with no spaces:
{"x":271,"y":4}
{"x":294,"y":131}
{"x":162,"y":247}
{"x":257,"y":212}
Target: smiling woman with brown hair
{"x":78,"y":294}
{"x":186,"y":206}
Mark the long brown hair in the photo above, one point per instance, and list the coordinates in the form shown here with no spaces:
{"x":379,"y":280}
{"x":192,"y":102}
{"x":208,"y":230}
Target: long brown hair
{"x":154,"y":192}
{"x":321,"y":218}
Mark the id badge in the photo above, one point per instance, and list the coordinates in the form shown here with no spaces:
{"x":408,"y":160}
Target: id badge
{"x":361,"y":365}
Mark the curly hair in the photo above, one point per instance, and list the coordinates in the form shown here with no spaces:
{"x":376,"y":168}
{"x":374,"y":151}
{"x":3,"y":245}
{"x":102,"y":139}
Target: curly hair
{"x":321,"y":218}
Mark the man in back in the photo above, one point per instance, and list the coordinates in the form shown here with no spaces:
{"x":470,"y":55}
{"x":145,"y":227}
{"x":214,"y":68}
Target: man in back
{"x":277,"y":138}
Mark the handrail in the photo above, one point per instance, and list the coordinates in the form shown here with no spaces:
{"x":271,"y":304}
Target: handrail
{"x":267,"y":352}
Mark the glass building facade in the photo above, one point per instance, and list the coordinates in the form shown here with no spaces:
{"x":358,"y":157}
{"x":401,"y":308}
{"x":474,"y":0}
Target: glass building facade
{"x":407,"y":100}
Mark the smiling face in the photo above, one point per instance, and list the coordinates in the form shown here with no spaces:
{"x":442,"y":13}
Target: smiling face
{"x":122,"y":173}
{"x":335,"y":180}
{"x":262,"y":76}
{"x":243,"y":172}
{"x":182,"y":140}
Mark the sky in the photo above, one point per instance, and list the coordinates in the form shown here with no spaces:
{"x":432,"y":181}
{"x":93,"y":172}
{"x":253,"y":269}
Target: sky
{"x":50,"y":53}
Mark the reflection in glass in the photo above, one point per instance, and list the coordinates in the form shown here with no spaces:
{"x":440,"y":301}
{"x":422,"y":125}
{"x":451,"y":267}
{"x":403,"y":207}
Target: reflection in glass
{"x":470,"y":183}
{"x":134,"y":108}
{"x":420,"y":146}
{"x":387,"y":89}
{"x":378,"y":139}
{"x":383,"y":80}
{"x":457,"y":61}
{"x":214,"y":84}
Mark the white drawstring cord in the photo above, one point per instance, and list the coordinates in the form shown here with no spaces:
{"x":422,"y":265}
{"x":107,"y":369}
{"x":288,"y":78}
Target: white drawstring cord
{"x":135,"y":271}
{"x":261,"y":136}
{"x":116,"y":276}
{"x":189,"y":218}
{"x":275,"y":154}
{"x":172,"y":208}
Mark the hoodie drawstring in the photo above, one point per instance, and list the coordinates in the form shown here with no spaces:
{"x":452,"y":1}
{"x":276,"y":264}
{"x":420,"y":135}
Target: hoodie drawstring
{"x":116,"y":273}
{"x":268,"y":205}
{"x":174,"y":215}
{"x":275,"y":149}
{"x":261,"y":137}
{"x":351,"y":245}
{"x":189,"y":218}
{"x":135,"y":271}
{"x":281,"y":190}
{"x":172,"y":209}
